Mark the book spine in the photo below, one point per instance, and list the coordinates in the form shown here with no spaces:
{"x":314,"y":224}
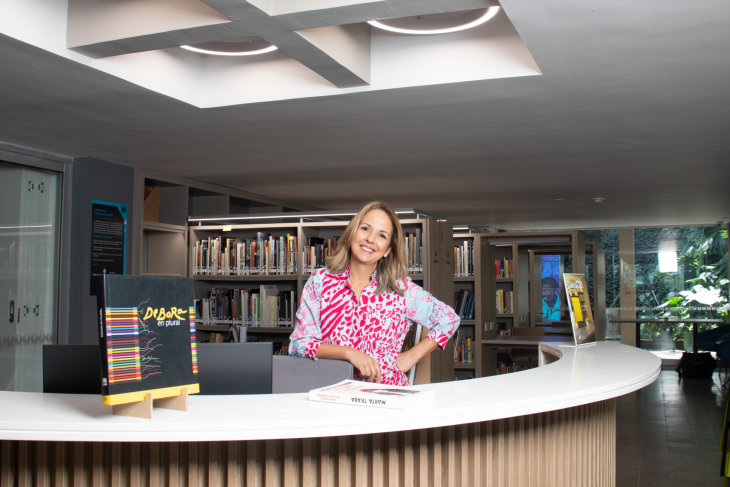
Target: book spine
{"x":104,"y":359}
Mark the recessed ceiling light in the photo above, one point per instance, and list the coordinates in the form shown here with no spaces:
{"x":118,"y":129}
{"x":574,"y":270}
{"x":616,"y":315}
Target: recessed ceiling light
{"x":220,"y":53}
{"x":247,"y":46}
{"x":392,"y":25}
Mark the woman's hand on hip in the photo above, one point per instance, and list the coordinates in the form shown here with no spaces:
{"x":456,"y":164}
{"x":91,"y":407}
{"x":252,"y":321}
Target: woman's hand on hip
{"x":365,"y":364}
{"x":406,"y":361}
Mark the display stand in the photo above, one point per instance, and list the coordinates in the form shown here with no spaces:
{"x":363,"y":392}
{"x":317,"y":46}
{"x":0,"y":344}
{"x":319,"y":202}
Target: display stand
{"x":177,"y":403}
{"x":143,"y":409}
{"x":571,"y":345}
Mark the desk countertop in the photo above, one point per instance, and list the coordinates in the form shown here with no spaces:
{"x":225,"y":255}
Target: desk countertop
{"x":526,"y":340}
{"x":581,"y":376}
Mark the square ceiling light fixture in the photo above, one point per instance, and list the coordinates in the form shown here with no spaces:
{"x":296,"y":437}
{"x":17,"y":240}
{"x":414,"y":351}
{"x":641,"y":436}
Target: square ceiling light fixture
{"x":253,"y":51}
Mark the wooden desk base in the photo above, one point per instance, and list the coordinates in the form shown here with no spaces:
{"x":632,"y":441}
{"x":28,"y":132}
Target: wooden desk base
{"x":568,"y":447}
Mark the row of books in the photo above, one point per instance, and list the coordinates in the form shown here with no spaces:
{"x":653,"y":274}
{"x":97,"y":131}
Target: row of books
{"x":503,"y":329}
{"x":464,"y":259}
{"x":463,"y":349}
{"x":505,"y":301}
{"x":266,"y":306}
{"x":282,"y":351}
{"x":414,"y":252}
{"x":503,"y":267}
{"x":316,"y":251}
{"x":503,"y":368}
{"x":264,"y":255}
{"x":215,"y":338}
{"x":464,"y":304}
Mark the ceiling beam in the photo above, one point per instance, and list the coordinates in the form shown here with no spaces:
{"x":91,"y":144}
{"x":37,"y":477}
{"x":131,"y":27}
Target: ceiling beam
{"x":334,"y":42}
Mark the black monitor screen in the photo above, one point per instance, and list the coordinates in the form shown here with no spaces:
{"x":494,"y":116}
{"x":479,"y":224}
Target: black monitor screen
{"x":235,"y":368}
{"x":71,"y":369}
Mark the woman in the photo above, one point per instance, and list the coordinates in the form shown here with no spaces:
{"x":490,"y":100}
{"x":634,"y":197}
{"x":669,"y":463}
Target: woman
{"x":360,"y":307}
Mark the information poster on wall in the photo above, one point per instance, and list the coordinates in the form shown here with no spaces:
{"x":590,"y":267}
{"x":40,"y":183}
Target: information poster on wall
{"x":579,"y":305}
{"x":108,"y":238}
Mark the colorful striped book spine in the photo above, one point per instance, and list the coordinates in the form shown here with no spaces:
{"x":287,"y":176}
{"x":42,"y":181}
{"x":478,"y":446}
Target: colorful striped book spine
{"x":122,"y":339}
{"x":193,"y":343}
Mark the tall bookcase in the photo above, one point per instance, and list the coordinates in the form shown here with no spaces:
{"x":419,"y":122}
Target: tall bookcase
{"x":525,"y":249}
{"x":436,"y":277}
{"x":160,"y":241}
{"x":482,"y":286}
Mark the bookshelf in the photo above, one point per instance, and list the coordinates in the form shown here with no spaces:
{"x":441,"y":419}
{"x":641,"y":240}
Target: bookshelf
{"x":434,"y":276}
{"x":162,"y":204}
{"x":481,"y":285}
{"x":526,"y":249}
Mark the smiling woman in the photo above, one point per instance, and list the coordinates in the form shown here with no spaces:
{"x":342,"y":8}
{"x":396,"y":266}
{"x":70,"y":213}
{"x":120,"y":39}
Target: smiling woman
{"x":361,"y":306}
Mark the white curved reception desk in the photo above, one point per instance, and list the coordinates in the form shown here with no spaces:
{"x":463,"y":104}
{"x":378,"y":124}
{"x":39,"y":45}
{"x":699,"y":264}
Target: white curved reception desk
{"x":554,"y":425}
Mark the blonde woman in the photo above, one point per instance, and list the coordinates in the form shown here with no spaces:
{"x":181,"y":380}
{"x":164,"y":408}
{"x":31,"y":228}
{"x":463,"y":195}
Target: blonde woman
{"x":360,"y":307}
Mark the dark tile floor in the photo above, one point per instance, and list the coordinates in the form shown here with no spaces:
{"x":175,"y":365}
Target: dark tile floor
{"x":668,"y":434}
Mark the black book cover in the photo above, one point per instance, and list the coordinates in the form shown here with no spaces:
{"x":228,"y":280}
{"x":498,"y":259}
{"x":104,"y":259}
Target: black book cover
{"x":459,"y":301}
{"x":146,"y":337}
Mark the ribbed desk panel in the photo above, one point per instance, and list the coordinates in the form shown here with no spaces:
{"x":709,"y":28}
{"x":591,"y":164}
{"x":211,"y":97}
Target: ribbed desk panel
{"x":569,"y":447}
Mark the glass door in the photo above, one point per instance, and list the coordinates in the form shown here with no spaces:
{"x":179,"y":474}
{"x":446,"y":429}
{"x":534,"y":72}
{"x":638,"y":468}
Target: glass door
{"x":30,"y":203}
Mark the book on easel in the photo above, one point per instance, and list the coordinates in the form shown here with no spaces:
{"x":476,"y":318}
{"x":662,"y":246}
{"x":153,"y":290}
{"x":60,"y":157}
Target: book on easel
{"x":579,"y":305}
{"x":146,"y":337}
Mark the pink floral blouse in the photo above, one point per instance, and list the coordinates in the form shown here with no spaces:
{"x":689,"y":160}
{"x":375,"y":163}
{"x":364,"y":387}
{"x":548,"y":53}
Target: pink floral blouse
{"x":377,"y":325}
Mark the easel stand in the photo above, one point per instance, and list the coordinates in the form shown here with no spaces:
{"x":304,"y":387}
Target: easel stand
{"x":143,"y":409}
{"x":570,"y":345}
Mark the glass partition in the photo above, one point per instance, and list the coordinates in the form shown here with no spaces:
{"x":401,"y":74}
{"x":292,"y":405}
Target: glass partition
{"x":680,"y":273}
{"x":29,"y":254}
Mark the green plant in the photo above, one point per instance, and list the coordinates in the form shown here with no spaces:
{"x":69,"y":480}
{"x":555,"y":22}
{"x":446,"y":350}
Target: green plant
{"x":699,"y":290}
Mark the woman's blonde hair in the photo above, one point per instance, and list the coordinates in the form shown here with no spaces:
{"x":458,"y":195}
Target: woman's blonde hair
{"x":391,"y":268}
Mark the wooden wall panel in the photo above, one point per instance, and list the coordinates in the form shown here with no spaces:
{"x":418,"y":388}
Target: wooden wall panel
{"x":579,"y":253}
{"x":627,"y":285}
{"x":486,"y":316}
{"x":573,"y":447}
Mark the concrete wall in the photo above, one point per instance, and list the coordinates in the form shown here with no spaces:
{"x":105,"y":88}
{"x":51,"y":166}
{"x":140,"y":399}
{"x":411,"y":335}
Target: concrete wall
{"x":93,"y":179}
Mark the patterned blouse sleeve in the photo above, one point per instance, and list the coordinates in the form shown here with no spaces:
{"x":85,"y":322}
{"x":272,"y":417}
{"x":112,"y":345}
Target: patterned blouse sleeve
{"x":425,"y":310}
{"x":307,"y":336}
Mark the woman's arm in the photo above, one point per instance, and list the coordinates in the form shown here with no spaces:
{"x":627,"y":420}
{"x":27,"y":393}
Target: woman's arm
{"x":307,"y":335}
{"x":423,"y":309}
{"x":306,"y":340}
{"x":407,"y":360}
{"x":365,"y":364}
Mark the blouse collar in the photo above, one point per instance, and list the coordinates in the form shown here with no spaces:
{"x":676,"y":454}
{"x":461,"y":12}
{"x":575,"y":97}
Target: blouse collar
{"x":373,"y":278}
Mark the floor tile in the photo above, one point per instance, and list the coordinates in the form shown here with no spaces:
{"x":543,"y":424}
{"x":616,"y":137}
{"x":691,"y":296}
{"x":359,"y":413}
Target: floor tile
{"x":668,"y":433}
{"x":627,"y":481}
{"x":691,"y":479}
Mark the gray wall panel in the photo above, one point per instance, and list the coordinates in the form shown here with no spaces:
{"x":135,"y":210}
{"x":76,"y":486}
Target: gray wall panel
{"x":93,"y":179}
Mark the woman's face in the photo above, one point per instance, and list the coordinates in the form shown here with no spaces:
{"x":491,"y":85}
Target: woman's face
{"x":372,"y":237}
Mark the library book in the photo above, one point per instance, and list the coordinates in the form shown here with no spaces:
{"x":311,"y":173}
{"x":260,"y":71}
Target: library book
{"x":357,"y":393}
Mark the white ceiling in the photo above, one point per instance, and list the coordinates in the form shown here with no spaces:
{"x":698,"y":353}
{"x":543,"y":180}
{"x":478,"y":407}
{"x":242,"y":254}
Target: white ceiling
{"x":632,"y":105}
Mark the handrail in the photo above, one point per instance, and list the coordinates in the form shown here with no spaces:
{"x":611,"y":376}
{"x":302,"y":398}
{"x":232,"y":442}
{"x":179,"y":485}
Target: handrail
{"x":657,"y":320}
